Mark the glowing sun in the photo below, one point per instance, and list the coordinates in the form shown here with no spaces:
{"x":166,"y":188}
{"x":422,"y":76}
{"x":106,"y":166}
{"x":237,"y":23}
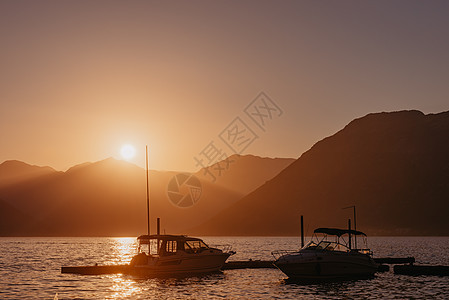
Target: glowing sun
{"x":128,"y":151}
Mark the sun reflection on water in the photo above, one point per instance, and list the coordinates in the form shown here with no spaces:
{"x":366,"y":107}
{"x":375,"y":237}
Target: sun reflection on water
{"x":124,"y":287}
{"x":122,"y":250}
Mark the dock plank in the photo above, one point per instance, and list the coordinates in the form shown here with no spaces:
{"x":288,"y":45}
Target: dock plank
{"x":249,"y":264}
{"x":95,"y":270}
{"x":395,"y":260}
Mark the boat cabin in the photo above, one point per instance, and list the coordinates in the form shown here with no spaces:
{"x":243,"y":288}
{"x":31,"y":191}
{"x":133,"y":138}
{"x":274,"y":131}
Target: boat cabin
{"x":164,"y":245}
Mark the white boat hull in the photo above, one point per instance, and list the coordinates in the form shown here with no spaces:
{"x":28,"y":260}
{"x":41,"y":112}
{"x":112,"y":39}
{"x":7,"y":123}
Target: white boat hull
{"x":326,"y":265}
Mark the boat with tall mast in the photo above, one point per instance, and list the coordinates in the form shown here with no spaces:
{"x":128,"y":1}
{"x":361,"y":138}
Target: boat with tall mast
{"x":173,"y":255}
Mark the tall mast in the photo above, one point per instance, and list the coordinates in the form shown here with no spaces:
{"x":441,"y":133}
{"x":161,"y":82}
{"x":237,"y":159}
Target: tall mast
{"x":148,"y":189}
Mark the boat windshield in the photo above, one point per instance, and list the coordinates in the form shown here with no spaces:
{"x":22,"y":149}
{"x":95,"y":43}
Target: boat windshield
{"x":195,"y":245}
{"x":331,"y":246}
{"x":326,"y":246}
{"x":310,"y":246}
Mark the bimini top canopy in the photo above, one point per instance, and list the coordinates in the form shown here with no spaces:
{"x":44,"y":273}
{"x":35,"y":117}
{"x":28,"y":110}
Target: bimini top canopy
{"x":338,"y":232}
{"x":168,"y":237}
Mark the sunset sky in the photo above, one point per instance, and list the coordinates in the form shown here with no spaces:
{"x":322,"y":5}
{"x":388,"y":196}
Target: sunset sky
{"x":79,"y":79}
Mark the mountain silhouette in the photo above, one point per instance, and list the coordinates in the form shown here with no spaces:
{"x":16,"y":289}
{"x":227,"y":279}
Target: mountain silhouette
{"x":244,"y":173}
{"x":393,"y":166}
{"x":14,"y":171}
{"x":106,"y":198}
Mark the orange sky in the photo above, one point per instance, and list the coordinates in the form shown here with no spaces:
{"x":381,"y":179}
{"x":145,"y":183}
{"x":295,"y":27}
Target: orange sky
{"x":80,"y":78}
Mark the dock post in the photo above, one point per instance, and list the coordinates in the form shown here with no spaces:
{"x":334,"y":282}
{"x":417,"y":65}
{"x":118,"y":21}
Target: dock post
{"x":302,"y":231}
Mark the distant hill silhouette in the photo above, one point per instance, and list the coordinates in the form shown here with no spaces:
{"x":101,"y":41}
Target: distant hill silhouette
{"x":106,"y":198}
{"x":14,"y":171}
{"x":393,"y":166}
{"x":244,"y":173}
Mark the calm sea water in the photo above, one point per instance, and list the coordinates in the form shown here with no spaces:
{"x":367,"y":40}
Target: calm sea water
{"x":30,"y":269}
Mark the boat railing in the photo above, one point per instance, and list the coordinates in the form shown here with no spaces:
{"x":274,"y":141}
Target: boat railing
{"x":279,"y":253}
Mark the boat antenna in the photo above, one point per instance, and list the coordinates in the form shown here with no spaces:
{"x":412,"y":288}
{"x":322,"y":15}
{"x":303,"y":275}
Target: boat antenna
{"x":148,"y":189}
{"x":355,"y":223}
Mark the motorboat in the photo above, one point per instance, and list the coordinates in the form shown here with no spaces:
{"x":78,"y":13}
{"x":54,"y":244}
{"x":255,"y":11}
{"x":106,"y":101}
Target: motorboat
{"x":176,"y":255}
{"x":328,"y":256}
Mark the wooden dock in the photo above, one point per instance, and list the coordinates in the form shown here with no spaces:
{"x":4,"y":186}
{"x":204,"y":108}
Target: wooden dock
{"x":417,"y":270}
{"x":230,"y":265}
{"x":96,"y":270}
{"x":123,"y":269}
{"x":395,"y":260}
{"x":249,"y":264}
{"x":403,"y":266}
